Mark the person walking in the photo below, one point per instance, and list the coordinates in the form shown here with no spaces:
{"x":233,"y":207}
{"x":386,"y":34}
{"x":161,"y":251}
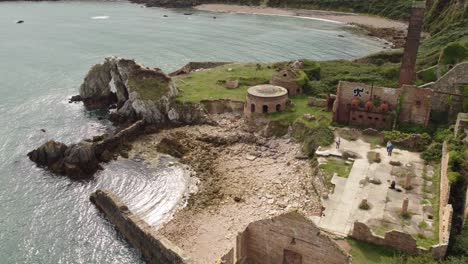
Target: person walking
{"x":338,"y":142}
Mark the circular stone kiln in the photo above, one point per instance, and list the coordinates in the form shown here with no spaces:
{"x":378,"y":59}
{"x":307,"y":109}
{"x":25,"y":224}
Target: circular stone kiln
{"x":265,"y":98}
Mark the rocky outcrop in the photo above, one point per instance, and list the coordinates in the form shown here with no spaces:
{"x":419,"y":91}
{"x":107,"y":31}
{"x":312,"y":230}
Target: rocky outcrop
{"x":78,"y":161}
{"x":138,"y":93}
{"x":194,"y":66}
{"x":81,"y":161}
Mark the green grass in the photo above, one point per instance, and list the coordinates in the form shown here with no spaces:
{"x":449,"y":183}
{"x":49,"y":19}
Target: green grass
{"x":296,"y":111}
{"x":149,"y":88}
{"x":364,"y":253}
{"x":209,"y":84}
{"x":336,"y":166}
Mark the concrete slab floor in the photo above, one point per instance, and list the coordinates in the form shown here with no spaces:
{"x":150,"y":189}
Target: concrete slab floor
{"x":342,"y":206}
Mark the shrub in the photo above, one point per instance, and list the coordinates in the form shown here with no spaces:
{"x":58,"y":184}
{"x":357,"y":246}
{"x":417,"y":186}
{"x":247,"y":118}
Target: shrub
{"x":433,"y":153}
{"x":428,"y":75}
{"x":453,"y":53}
{"x":443,"y":134}
{"x":319,"y":136}
{"x":312,"y":69}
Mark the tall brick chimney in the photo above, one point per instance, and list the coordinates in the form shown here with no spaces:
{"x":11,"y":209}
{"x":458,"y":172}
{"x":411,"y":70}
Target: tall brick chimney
{"x":413,"y":37}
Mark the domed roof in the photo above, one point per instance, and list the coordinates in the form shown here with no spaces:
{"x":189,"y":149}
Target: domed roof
{"x":267,"y":90}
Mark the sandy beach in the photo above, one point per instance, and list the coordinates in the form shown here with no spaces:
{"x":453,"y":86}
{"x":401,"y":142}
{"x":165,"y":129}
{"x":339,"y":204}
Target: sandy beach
{"x":339,"y":17}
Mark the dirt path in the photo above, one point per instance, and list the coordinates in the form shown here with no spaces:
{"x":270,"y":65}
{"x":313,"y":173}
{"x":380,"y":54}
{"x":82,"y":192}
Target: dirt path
{"x":243,"y":178}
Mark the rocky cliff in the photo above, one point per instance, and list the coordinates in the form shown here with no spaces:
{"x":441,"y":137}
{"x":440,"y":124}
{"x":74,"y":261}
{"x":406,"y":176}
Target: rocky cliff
{"x":137,"y":92}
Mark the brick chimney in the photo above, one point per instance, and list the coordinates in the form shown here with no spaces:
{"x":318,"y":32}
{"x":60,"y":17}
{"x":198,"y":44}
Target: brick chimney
{"x":413,"y":37}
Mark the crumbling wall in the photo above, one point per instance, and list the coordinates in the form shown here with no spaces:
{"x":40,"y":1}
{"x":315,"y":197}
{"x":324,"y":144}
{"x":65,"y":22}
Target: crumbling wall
{"x":448,"y":90}
{"x":445,"y":209}
{"x":465,"y":212}
{"x":397,"y":240}
{"x":154,"y":248}
{"x":268,"y":241}
{"x":223,"y":106}
{"x":416,"y":105}
{"x":462,"y":124}
{"x":349,"y":91}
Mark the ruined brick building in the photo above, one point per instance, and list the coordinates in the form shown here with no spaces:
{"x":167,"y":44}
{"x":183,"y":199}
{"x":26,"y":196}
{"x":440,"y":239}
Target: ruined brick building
{"x":381,"y":107}
{"x":265,"y":98}
{"x":289,"y":239}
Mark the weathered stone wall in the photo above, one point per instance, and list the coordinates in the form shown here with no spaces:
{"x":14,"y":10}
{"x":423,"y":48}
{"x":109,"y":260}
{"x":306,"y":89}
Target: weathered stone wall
{"x":462,"y":123}
{"x":465,"y":212}
{"x":448,"y":90}
{"x":287,"y":79}
{"x":445,"y":209}
{"x":397,"y":240}
{"x":416,"y":105}
{"x":223,"y":106}
{"x":268,"y":241}
{"x":154,"y":248}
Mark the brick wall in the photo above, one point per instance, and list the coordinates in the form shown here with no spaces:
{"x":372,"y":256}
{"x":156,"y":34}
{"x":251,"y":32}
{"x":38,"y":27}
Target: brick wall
{"x":348,"y":91}
{"x":416,"y":105}
{"x":265,"y":241}
{"x":155,"y":249}
{"x":407,"y":71}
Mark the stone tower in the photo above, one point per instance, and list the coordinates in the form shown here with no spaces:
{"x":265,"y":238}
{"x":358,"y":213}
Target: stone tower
{"x":413,"y":37}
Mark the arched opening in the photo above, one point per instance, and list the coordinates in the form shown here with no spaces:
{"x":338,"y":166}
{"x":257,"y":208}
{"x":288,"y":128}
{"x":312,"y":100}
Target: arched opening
{"x":252,"y":108}
{"x":278,"y":107}
{"x":265,"y":109}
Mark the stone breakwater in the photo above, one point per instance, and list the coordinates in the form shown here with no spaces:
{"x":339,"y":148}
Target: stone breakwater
{"x":155,"y":249}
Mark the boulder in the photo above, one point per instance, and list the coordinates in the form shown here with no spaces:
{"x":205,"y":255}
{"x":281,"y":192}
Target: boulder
{"x":77,"y":161}
{"x":48,"y":154}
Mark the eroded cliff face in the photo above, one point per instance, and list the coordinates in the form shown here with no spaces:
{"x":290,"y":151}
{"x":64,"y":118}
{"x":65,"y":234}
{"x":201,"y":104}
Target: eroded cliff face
{"x":137,"y":92}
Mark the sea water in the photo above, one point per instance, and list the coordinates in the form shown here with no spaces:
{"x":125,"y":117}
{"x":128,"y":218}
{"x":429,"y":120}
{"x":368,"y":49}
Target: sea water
{"x":48,"y":219}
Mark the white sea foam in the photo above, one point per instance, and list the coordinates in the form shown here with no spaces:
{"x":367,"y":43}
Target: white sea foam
{"x":100,"y":17}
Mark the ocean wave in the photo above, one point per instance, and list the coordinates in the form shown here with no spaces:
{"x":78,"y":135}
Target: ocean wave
{"x":100,"y":17}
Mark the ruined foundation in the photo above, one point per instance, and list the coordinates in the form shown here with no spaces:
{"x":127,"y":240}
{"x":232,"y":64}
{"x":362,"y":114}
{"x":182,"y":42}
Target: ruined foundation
{"x":155,"y":249}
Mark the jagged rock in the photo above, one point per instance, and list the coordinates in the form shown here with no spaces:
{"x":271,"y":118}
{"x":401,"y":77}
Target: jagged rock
{"x":77,"y":161}
{"x":48,"y":154}
{"x":140,"y":93}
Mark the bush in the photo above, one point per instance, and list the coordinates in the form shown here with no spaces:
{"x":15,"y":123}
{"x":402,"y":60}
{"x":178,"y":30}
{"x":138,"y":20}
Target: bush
{"x":312,"y":69}
{"x":319,"y":136}
{"x":453,"y":53}
{"x":443,"y":134}
{"x":428,"y":75}
{"x":433,"y":153}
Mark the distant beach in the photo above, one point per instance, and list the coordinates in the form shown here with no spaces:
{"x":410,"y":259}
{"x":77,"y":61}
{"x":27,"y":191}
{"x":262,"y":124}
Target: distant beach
{"x":346,"y":18}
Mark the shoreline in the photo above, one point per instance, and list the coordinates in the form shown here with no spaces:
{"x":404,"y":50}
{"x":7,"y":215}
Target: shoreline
{"x":328,"y":16}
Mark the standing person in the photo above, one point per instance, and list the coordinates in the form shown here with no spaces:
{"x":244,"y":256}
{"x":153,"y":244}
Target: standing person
{"x":338,"y":142}
{"x":389,"y":148}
